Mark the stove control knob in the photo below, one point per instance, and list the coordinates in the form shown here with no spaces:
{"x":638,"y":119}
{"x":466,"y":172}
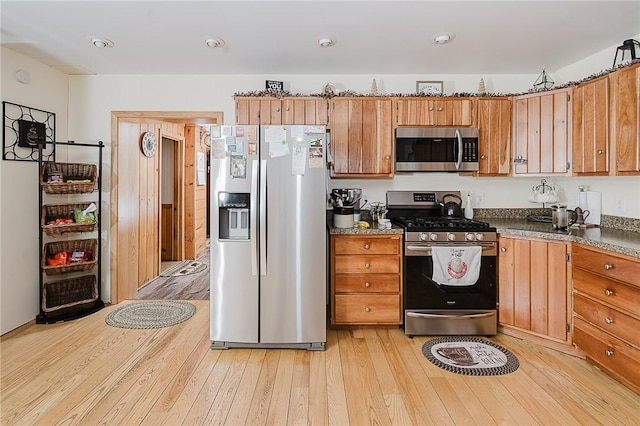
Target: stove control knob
{"x":479,"y":237}
{"x":433,"y":236}
{"x":451,"y":236}
{"x":470,"y":237}
{"x":423,"y":236}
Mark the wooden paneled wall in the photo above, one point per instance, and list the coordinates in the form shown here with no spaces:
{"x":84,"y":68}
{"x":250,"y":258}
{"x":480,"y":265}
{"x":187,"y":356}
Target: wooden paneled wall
{"x":195,"y":195}
{"x":136,"y":188}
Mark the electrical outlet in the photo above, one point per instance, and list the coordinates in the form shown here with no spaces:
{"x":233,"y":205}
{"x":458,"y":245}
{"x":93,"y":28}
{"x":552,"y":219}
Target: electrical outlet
{"x":479,"y":198}
{"x":620,"y":205}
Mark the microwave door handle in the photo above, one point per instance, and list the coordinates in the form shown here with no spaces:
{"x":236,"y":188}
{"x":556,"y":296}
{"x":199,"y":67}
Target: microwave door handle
{"x":459,"y":137}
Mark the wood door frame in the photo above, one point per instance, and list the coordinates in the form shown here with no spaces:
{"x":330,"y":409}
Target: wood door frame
{"x":178,"y":195}
{"x":179,"y":117}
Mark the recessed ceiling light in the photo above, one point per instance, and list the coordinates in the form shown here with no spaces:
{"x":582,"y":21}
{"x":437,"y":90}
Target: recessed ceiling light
{"x":326,"y":42}
{"x":214,"y":42}
{"x":102,"y":42}
{"x":443,"y":38}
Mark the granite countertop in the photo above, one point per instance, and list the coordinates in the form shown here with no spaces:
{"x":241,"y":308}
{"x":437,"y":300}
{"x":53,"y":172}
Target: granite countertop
{"x":615,"y":240}
{"x":619,"y":241}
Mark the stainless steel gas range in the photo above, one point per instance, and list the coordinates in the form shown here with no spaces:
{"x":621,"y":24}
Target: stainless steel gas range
{"x":449,"y":267}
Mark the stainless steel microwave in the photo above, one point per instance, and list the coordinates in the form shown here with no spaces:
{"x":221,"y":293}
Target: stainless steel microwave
{"x":436,"y":149}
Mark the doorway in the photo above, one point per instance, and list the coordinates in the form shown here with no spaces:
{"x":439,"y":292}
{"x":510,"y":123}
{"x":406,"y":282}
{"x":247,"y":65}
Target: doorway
{"x":172,"y":208}
{"x":135,"y":186}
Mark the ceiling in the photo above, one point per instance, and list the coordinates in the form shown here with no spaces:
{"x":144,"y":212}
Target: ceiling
{"x":281,"y":37}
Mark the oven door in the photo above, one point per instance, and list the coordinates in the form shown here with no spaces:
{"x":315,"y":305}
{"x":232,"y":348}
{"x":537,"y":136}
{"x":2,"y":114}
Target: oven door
{"x":421,"y":292}
{"x":433,"y":309}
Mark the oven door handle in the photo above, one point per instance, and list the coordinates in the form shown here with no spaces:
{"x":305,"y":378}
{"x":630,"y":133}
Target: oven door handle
{"x":421,"y":315}
{"x":427,"y":249}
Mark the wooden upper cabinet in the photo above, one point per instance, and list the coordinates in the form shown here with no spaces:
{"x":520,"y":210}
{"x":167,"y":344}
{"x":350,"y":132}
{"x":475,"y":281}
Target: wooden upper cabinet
{"x":247,"y":110}
{"x":305,"y":111}
{"x":433,"y":112}
{"x":494,"y":126}
{"x":590,"y":148}
{"x":361,"y":137}
{"x":270,"y":110}
{"x":625,"y":113}
{"x":542,"y":133}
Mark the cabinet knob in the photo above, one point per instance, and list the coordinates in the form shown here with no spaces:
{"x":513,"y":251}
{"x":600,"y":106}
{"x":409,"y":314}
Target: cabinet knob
{"x":277,"y":109}
{"x":608,"y":292}
{"x":367,"y":284}
{"x":367,"y":309}
{"x":482,"y":157}
{"x":440,"y":109}
{"x":608,"y":352}
{"x":600,"y":152}
{"x":503,"y":249}
{"x":430,"y":108}
{"x":388,"y":157}
{"x":366,"y":246}
{"x":607,"y":266}
{"x":608,"y":320}
{"x":367,"y":265}
{"x":287,"y":109}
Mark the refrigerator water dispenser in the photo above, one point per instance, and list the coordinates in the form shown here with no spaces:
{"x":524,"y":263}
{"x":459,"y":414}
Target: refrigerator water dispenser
{"x":233,"y":209}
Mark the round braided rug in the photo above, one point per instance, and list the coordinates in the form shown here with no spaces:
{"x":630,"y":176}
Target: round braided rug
{"x":472,"y":356}
{"x":151,"y":314}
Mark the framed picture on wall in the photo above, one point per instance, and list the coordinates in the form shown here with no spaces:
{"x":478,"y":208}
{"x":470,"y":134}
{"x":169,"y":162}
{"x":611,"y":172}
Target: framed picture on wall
{"x":429,"y":87}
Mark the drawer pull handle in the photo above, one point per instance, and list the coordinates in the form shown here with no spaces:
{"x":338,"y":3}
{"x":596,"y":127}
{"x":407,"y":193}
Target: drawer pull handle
{"x":608,"y":266}
{"x":367,"y":284}
{"x":608,"y":292}
{"x":367,"y":265}
{"x":608,"y":352}
{"x":608,"y":320}
{"x":367,"y":246}
{"x":367,"y":309}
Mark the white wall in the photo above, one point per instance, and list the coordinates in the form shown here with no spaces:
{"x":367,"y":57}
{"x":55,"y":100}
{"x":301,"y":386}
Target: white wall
{"x":19,"y":248}
{"x":93,"y":98}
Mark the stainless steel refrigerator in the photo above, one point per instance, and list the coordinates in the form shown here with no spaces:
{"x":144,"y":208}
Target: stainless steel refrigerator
{"x":268,"y":237}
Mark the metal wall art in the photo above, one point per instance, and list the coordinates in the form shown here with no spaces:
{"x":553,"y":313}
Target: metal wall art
{"x":24,"y":129}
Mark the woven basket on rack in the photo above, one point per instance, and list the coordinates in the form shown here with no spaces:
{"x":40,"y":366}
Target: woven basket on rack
{"x":66,"y":293}
{"x":65,"y":211}
{"x":74,"y":176}
{"x":50,"y":249}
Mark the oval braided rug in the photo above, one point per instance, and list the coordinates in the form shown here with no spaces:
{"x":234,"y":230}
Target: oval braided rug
{"x":151,"y":314}
{"x":472,"y":356}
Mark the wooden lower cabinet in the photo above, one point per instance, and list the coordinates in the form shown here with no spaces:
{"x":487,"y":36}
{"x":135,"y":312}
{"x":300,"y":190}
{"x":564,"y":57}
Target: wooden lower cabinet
{"x":606,"y":311}
{"x":366,"y":279}
{"x":534,"y":291}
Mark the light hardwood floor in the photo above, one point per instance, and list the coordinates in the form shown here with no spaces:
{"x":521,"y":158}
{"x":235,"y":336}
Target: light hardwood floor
{"x":86,"y":372}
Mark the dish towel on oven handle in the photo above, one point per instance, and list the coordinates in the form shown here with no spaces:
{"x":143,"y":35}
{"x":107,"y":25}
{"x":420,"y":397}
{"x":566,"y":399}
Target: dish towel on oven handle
{"x":455,"y":265}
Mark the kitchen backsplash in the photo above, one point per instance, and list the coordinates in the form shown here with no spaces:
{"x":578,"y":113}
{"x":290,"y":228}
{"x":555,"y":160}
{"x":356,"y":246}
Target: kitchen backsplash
{"x":607,"y":221}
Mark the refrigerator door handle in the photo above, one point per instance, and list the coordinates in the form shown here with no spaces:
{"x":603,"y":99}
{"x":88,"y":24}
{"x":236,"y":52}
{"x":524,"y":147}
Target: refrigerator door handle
{"x":263,"y":217}
{"x":253,"y":217}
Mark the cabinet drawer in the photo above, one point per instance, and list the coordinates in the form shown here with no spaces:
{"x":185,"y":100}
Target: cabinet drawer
{"x":608,"y":319}
{"x":606,"y":265}
{"x":618,"y":358}
{"x":612,"y":292}
{"x":367,"y":264}
{"x":367,"y":245}
{"x":368,"y":283}
{"x":367,"y":309}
